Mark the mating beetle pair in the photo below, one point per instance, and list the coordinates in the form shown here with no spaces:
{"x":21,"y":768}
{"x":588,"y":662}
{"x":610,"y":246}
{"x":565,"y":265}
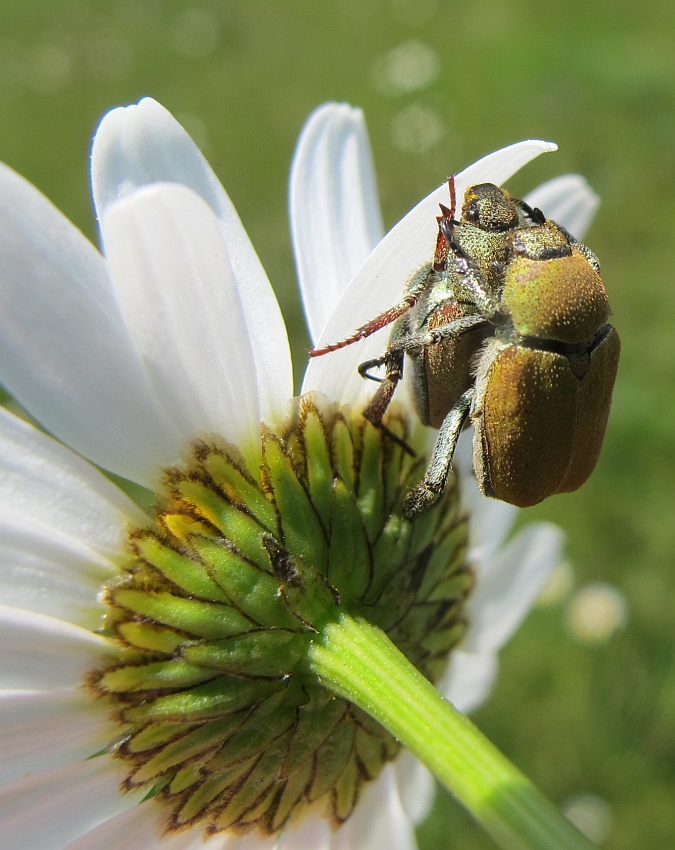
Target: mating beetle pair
{"x":507,"y":326}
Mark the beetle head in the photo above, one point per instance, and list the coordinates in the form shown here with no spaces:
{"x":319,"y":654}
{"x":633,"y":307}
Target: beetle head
{"x":490,"y":208}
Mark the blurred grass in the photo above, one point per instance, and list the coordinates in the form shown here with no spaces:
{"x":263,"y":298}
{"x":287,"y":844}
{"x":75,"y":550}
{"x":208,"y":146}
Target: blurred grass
{"x":599,"y":79}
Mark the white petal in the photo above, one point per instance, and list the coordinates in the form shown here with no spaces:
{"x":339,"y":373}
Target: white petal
{"x":138,"y":828}
{"x":43,"y":479}
{"x":64,"y":351}
{"x":141,"y":144}
{"x":42,"y":730}
{"x":489,"y":519}
{"x":48,"y":572}
{"x":173,"y":278}
{"x":334,"y":208}
{"x":508,"y":583}
{"x":380,"y":281}
{"x":469,"y":678}
{"x":568,"y":200}
{"x":416,"y":786}
{"x":49,"y":810}
{"x":40,"y":652}
{"x":310,"y":833}
{"x":61,"y":526}
{"x":379,"y":821}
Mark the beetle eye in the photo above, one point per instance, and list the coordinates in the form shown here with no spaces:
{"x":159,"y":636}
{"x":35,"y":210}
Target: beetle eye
{"x":472,"y":215}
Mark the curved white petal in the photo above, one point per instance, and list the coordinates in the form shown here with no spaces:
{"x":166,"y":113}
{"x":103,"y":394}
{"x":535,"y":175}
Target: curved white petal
{"x":468,"y":680}
{"x":174,"y":282}
{"x":489,"y":519}
{"x":42,"y":730}
{"x":310,"y":833}
{"x":61,"y":526}
{"x":379,"y":283}
{"x":139,"y":828}
{"x":48,"y":572}
{"x":40,"y":652}
{"x":416,"y":786}
{"x":51,"y":809}
{"x":43,"y":479}
{"x":508,"y":583}
{"x":334,"y":207}
{"x":64,"y":351}
{"x":379,"y":820}
{"x":567,"y":200}
{"x":142,"y":144}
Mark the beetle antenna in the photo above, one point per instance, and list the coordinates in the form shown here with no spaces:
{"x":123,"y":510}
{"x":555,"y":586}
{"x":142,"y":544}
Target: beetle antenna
{"x":372,"y":326}
{"x":453,"y":196}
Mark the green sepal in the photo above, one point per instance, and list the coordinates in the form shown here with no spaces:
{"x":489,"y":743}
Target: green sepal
{"x":150,"y":636}
{"x":234,"y":522}
{"x":200,"y":740}
{"x":292,"y":790}
{"x":263,"y":725}
{"x":238,"y":487}
{"x":447,"y":557}
{"x":389,"y":554}
{"x":346,"y":791}
{"x":370,"y":751}
{"x":225,"y":695}
{"x":186,"y":777}
{"x":305,"y":591}
{"x":349,"y":562}
{"x":452,"y":587}
{"x":263,"y":652}
{"x":155,"y":735}
{"x":300,"y":525}
{"x":332,"y":758}
{"x":441,"y":641}
{"x":319,"y":466}
{"x":257,"y":782}
{"x":202,"y":619}
{"x":252,"y":589}
{"x":176,"y":673}
{"x":371,"y":491}
{"x":214,"y":785}
{"x":315,"y":721}
{"x":190,"y":575}
{"x":344,"y":454}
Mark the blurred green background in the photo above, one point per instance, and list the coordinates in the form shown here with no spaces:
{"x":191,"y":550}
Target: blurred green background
{"x":441,"y":83}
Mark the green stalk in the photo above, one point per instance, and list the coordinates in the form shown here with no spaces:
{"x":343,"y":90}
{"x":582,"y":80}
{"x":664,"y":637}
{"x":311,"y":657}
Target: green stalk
{"x":359,"y":662}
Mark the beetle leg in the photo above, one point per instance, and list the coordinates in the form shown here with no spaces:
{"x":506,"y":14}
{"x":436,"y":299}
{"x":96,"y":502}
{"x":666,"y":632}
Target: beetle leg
{"x":430,"y":488}
{"x":439,"y":334}
{"x":379,"y":403}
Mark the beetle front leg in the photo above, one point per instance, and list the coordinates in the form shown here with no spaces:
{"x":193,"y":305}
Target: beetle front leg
{"x":435,"y":336}
{"x":431,"y":487}
{"x":377,"y":407}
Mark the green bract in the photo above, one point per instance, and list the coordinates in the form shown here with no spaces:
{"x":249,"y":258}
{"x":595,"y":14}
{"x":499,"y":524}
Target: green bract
{"x":219,"y":714}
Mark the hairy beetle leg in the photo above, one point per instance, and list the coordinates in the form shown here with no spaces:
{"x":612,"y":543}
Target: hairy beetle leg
{"x":379,"y":403}
{"x":430,"y":488}
{"x":434,"y":337}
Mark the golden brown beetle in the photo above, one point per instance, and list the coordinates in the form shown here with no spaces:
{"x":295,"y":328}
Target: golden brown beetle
{"x":508,"y":327}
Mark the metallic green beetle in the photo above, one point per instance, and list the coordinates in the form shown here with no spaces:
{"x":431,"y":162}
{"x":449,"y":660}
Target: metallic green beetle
{"x":507,"y":327}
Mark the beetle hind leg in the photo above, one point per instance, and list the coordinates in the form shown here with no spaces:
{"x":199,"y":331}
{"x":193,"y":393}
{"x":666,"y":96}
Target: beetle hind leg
{"x":431,"y":487}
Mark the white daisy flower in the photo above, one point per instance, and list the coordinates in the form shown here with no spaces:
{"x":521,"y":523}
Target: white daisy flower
{"x":153,"y":360}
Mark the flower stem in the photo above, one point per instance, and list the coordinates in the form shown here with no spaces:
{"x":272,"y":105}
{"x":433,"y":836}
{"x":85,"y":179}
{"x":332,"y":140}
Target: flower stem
{"x":359,"y":662}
